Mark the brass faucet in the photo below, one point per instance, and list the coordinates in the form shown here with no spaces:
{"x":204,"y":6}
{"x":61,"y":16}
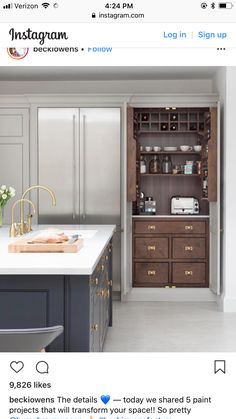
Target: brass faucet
{"x":17,"y":228}
{"x":26,"y":226}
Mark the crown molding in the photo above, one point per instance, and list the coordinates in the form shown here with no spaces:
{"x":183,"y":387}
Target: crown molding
{"x":109,"y":100}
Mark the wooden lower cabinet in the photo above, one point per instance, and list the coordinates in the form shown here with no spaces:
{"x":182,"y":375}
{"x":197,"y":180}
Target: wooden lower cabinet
{"x":190,"y":273}
{"x":169,"y":227}
{"x":189,"y":248}
{"x":170,"y":252}
{"x":151,"y":274}
{"x":151,"y":248}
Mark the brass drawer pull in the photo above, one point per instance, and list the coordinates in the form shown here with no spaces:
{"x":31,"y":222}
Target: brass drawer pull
{"x":151,"y":247}
{"x":188,"y":227}
{"x":94,"y":281}
{"x":151,"y":227}
{"x":188,"y":273}
{"x":188,"y":248}
{"x":151,"y":273}
{"x":94,"y":328}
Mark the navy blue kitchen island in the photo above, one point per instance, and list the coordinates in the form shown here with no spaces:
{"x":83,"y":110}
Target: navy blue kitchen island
{"x":81,"y":302}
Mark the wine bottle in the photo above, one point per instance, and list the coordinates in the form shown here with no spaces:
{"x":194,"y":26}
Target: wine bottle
{"x":205,"y":183}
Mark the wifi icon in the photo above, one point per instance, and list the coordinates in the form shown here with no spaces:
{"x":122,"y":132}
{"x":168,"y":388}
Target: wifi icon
{"x":45,"y":5}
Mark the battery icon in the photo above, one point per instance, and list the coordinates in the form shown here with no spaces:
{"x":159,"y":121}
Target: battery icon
{"x":227,"y":5}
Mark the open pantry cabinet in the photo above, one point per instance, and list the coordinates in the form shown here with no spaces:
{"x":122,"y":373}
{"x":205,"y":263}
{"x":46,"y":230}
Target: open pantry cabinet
{"x":171,"y":250}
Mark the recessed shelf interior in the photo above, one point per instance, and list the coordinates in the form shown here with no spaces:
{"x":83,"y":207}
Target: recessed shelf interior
{"x":170,"y":128}
{"x":157,"y":120}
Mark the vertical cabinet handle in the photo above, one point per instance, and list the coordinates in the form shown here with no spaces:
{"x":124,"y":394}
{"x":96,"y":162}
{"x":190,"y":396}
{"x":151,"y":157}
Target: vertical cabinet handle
{"x":83,"y":168}
{"x":74,"y":170}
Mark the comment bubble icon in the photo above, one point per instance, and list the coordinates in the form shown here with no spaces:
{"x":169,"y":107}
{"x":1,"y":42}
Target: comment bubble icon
{"x":42,"y":367}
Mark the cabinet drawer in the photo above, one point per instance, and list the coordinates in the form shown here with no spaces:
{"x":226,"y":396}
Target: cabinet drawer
{"x":151,"y":248}
{"x":151,"y":273}
{"x":189,"y":273}
{"x":189,"y":248}
{"x":170,"y":227}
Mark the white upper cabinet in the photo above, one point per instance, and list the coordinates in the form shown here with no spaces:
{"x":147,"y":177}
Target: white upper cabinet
{"x":14,"y":153}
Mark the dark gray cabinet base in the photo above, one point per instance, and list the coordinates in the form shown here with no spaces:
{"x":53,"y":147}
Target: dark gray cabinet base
{"x":82,"y":304}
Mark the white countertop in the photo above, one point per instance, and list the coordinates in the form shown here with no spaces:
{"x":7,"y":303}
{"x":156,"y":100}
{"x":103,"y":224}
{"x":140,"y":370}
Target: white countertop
{"x":96,"y":238}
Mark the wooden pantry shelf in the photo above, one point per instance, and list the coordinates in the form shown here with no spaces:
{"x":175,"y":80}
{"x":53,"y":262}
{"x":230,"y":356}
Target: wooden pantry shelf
{"x":169,"y":174}
{"x":171,"y":152}
{"x":151,"y":131}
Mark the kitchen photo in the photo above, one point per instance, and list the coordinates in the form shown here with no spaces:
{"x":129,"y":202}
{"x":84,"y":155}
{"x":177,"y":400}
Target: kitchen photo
{"x":117,"y":209}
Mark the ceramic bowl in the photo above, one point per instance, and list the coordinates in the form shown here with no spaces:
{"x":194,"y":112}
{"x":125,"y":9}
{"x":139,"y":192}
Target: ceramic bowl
{"x":185,"y":148}
{"x":197,"y":148}
{"x":157,"y":148}
{"x":148,"y":148}
{"x":170,"y":148}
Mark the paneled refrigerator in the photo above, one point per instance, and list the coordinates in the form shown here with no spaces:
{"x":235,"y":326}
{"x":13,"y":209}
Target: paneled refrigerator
{"x":79,"y":158}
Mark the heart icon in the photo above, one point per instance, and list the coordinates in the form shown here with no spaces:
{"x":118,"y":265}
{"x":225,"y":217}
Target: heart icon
{"x":105,"y":399}
{"x":17,"y":366}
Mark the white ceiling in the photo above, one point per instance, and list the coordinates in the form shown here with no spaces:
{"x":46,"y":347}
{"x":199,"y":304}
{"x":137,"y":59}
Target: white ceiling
{"x":105,"y":73}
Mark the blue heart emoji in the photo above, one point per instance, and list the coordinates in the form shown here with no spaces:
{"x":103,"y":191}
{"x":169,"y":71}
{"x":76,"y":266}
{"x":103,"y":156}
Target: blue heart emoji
{"x":105,"y":399}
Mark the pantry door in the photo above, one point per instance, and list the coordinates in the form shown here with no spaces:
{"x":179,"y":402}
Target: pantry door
{"x":214,"y":206}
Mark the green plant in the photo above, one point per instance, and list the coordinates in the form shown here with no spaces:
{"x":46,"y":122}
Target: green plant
{"x":5,"y":194}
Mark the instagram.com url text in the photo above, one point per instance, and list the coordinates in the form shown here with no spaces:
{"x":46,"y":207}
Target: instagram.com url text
{"x":121,"y":15}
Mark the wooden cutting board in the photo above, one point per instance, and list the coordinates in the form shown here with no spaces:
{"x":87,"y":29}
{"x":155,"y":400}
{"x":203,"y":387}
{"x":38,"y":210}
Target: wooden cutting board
{"x":23,"y":246}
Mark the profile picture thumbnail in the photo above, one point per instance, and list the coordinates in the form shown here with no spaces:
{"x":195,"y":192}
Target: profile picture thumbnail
{"x":17,"y":53}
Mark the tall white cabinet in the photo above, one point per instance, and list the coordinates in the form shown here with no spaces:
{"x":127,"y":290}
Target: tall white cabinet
{"x":14,"y":152}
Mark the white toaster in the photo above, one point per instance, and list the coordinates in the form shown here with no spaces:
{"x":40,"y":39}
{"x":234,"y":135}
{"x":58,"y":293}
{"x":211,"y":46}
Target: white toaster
{"x":184,"y":205}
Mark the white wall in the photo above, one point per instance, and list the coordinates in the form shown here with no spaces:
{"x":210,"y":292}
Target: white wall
{"x":225,"y":85}
{"x":229,"y":246}
{"x":219,"y":86}
{"x":94,"y":87}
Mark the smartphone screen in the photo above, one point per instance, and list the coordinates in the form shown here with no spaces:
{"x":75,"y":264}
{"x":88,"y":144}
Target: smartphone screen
{"x":117,"y":167}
